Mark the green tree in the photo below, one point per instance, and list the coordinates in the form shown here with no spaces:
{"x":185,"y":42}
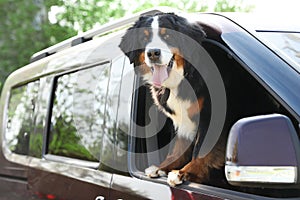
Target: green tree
{"x":184,"y":5}
{"x":20,"y":34}
{"x":83,"y":15}
{"x":26,"y":29}
{"x":232,"y":6}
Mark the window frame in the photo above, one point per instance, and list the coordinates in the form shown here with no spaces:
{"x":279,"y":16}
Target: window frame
{"x":58,"y":158}
{"x":198,"y":188}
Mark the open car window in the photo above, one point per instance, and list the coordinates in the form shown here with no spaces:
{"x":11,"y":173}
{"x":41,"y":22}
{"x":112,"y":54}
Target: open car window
{"x":152,"y":132}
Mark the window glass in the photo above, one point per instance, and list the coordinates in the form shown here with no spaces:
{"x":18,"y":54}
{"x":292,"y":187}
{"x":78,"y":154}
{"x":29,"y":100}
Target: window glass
{"x":20,"y":117}
{"x":124,"y":118}
{"x":41,"y":111}
{"x":111,"y":111}
{"x":117,"y":118}
{"x":78,"y":113}
{"x":286,"y":44}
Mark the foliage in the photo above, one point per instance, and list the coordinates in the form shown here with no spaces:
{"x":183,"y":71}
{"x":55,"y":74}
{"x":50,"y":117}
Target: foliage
{"x":66,"y":142}
{"x":83,"y":15}
{"x":19,"y":34}
{"x":232,"y":6}
{"x":184,"y":5}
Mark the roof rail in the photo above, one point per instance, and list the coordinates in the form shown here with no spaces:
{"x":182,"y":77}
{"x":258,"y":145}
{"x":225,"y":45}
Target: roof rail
{"x":86,"y":36}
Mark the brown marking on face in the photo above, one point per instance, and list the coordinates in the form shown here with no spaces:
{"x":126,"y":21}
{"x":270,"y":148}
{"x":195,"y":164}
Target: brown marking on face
{"x":142,"y":58}
{"x":178,"y":57}
{"x":146,"y":32}
{"x":142,"y":67}
{"x":163,"y":31}
{"x":195,"y":107}
{"x":179,"y":61}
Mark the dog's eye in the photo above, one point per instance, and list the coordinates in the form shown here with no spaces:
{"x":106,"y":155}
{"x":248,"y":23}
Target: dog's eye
{"x":164,"y":33}
{"x":166,"y":36}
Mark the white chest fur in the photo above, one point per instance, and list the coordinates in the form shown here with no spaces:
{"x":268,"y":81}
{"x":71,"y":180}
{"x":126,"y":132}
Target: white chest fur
{"x":186,"y":128}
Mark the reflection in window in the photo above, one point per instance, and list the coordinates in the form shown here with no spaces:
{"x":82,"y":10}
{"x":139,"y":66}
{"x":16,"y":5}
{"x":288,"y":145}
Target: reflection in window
{"x":20,"y":117}
{"x":286,"y":44}
{"x":41,"y":111}
{"x":123,"y":118}
{"x":78,"y":114}
{"x":117,"y":118}
{"x":109,"y":125}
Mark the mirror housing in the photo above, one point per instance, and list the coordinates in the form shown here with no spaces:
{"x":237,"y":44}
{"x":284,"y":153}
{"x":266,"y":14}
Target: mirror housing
{"x":263,"y":151}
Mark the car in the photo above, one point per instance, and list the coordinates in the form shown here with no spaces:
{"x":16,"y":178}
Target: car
{"x":79,"y":123}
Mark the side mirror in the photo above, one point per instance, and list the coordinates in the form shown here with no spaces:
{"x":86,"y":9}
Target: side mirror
{"x":263,"y":151}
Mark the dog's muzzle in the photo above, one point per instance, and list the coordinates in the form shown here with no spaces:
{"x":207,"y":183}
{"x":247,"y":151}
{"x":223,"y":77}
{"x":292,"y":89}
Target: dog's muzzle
{"x":161,"y":72}
{"x":154,"y":54}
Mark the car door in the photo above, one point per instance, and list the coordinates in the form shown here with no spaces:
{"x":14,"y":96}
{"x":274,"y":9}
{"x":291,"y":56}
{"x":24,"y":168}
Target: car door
{"x":72,"y":149}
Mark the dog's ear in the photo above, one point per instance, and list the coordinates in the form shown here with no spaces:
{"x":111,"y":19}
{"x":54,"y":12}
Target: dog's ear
{"x":196,"y":32}
{"x":191,"y":29}
{"x":132,"y":43}
{"x":128,"y":45}
{"x":192,"y":36}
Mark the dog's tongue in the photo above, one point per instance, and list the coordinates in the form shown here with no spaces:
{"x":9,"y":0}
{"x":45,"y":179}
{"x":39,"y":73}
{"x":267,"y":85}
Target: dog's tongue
{"x":160,"y":73}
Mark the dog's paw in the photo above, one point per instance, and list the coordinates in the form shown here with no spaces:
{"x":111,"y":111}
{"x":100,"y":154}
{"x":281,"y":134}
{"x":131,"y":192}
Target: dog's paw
{"x":154,"y":171}
{"x":175,"y":178}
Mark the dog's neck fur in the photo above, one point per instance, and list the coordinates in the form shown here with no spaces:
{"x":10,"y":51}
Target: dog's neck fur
{"x":175,"y":108}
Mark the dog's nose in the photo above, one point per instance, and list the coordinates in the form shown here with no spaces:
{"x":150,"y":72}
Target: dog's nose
{"x":153,"y":54}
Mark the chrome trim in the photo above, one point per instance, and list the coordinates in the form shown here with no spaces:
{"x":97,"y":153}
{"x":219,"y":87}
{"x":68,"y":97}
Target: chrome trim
{"x":261,"y":174}
{"x":72,"y":161}
{"x":117,"y":24}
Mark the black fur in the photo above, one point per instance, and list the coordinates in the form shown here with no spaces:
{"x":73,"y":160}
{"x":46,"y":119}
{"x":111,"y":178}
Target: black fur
{"x":133,"y":42}
{"x":184,"y":42}
{"x":242,"y":93}
{"x":162,"y":95}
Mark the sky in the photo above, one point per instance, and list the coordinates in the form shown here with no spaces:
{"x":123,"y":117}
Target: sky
{"x":276,"y":6}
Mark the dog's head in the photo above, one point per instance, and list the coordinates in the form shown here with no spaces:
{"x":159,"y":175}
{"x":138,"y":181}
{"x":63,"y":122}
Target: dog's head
{"x":159,"y":46}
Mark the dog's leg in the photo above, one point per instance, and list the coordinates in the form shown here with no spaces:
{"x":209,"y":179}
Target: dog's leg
{"x":198,"y":169}
{"x":180,"y":155}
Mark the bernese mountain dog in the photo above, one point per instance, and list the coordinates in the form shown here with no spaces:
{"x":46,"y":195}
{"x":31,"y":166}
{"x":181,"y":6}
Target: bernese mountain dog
{"x":162,"y":47}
